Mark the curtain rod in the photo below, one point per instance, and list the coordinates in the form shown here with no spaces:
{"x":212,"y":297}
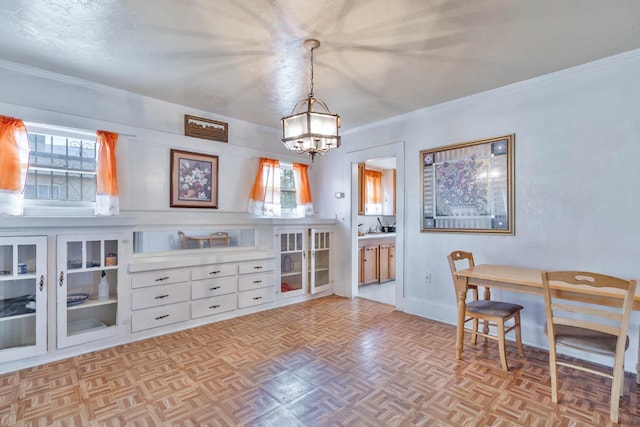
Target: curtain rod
{"x":70,"y":129}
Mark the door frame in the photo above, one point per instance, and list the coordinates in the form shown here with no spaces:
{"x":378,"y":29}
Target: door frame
{"x":396,"y":150}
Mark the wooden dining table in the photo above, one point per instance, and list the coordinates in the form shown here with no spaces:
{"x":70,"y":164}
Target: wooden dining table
{"x":529,"y":281}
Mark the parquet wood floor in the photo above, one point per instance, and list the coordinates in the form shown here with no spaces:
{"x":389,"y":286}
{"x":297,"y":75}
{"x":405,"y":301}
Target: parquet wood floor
{"x":327,"y":362}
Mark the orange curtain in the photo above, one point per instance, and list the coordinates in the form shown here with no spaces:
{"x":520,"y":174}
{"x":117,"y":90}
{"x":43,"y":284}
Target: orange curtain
{"x":303,"y":190}
{"x":265,"y":194}
{"x":107,"y":200}
{"x":14,"y":164}
{"x":374,"y":186}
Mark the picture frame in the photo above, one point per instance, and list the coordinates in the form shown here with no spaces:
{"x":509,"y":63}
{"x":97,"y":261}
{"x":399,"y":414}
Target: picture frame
{"x":469,"y":187}
{"x":194,"y":180}
{"x":199,"y":127}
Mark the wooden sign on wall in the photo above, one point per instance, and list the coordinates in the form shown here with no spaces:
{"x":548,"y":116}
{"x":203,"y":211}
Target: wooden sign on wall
{"x":200,"y":127}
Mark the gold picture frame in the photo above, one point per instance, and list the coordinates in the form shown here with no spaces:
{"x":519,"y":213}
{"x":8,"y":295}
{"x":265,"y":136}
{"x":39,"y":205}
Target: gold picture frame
{"x":469,"y":187}
{"x":194,"y":180}
{"x":199,"y":127}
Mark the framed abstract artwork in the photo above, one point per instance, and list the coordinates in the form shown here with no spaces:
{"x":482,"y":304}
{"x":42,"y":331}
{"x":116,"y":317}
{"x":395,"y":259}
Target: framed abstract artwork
{"x":468,"y":187}
{"x":194,"y":180}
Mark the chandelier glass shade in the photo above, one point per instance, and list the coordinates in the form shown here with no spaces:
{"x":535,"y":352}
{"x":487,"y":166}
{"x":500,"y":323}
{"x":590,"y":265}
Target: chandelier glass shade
{"x":311,"y":128}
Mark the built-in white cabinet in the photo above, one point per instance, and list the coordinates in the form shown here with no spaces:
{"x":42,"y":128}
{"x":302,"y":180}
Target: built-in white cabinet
{"x":305,"y":261}
{"x":23,"y":297}
{"x":293,"y":262}
{"x":320,"y":267}
{"x":256,"y":280}
{"x":87,"y":280}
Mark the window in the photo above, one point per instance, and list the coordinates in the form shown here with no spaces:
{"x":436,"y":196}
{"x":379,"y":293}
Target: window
{"x":61,"y":168}
{"x":287,"y":188}
{"x":281,"y":190}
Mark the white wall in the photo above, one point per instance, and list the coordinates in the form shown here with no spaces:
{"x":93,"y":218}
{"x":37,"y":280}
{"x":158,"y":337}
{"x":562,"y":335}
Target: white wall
{"x":577,"y":145}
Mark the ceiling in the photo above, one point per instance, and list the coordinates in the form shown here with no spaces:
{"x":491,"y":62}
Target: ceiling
{"x":244,"y":59}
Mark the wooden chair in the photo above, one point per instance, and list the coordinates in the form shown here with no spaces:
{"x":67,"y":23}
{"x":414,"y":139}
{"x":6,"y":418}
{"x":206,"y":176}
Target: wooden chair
{"x":597,"y":327}
{"x":493,"y":313}
{"x":183,"y":240}
{"x":219,"y":238}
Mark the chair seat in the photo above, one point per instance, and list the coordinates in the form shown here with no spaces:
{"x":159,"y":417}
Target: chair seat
{"x":587,"y":339}
{"x":493,"y":308}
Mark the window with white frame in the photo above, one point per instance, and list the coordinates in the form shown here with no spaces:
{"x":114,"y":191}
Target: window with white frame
{"x":287,"y":188}
{"x":62,"y":167}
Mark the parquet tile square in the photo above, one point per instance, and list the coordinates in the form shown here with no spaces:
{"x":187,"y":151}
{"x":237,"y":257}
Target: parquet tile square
{"x":327,"y":362}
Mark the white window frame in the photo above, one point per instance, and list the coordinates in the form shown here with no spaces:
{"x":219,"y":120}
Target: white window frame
{"x":44,"y":207}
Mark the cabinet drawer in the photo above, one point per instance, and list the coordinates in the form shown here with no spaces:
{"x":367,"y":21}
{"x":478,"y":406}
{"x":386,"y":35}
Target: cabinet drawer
{"x":160,"y":277}
{"x":257,"y":266}
{"x":159,"y":316}
{"x":159,"y":295}
{"x":256,"y":297}
{"x":211,"y":271}
{"x":215,"y":305}
{"x":255,"y":281}
{"x":213,"y":287}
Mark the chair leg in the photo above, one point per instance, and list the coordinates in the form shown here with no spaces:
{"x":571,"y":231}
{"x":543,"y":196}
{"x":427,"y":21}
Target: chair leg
{"x":553,"y":372}
{"x":474,"y":335}
{"x":518,"y":335}
{"x":501,"y":346}
{"x":616,"y":392}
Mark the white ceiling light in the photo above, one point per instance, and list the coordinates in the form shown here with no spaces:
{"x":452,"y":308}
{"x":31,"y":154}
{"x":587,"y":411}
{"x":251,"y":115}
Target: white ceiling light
{"x":311,"y":128}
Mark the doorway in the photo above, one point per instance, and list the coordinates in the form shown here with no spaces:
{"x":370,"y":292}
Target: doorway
{"x":374,"y":224}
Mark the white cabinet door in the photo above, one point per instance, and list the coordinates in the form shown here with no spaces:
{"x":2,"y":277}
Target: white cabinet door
{"x":293,"y":262}
{"x":23,"y":297}
{"x":83,"y":262}
{"x":320,"y":267}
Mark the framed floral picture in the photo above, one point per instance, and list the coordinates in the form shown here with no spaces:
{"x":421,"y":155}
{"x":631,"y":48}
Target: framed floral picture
{"x":194,"y":180}
{"x":468,"y":187}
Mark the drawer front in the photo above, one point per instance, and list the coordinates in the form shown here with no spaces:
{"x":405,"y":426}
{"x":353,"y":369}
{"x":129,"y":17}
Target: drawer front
{"x":213,"y":287}
{"x":211,"y":271}
{"x":159,"y":316}
{"x":215,"y":305}
{"x":257,"y":266}
{"x":159,"y":295}
{"x":256,"y":297}
{"x":160,"y":277}
{"x":255,"y":281}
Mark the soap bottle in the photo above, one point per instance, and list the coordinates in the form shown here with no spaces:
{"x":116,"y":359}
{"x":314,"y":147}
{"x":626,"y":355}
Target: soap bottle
{"x":103,"y":288}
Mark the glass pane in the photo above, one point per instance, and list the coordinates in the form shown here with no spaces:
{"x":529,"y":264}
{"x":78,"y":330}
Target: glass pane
{"x":299,"y":242}
{"x":26,"y":259}
{"x":292,"y":242}
{"x":88,"y":183}
{"x":74,"y":186}
{"x":110,"y":253}
{"x":93,"y":253}
{"x":6,"y":260}
{"x":74,"y":255}
{"x":283,"y":242}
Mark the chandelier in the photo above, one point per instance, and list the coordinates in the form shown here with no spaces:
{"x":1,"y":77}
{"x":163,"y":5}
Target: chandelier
{"x":311,"y":128}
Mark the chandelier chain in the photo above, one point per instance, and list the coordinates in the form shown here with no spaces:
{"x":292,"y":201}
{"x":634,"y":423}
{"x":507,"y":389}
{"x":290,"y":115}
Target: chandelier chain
{"x":311,"y":91}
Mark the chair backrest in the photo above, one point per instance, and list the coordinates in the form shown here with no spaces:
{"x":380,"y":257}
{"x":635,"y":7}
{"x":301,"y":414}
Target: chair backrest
{"x":219,"y":237}
{"x":456,"y":256}
{"x":183,"y":240}
{"x":580,"y":307}
{"x":464,"y":260}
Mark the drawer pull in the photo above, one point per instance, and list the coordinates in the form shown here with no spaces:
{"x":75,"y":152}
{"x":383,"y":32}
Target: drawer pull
{"x":161,"y":296}
{"x":162,"y":279}
{"x":215,"y":306}
{"x":164,"y":316}
{"x":257,"y":267}
{"x":257,"y":281}
{"x":214,"y":288}
{"x":215,"y":272}
{"x":257,"y":297}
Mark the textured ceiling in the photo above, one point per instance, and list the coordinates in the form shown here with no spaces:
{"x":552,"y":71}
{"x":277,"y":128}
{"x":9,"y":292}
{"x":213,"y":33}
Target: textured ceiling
{"x":379,"y":58}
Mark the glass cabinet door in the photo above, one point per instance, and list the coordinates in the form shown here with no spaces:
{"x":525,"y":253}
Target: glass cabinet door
{"x":320,"y":270}
{"x":23,"y":297}
{"x":87,"y":288}
{"x":293,"y":263}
